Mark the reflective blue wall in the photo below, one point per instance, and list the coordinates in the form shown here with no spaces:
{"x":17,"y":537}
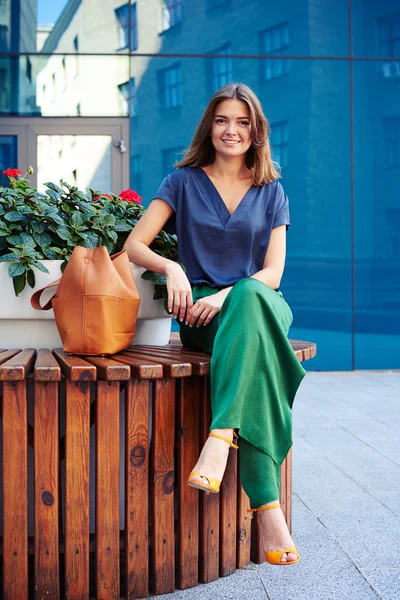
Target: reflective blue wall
{"x":328,"y":76}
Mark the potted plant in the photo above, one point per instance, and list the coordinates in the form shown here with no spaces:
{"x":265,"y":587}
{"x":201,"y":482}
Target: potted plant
{"x":37,"y":235}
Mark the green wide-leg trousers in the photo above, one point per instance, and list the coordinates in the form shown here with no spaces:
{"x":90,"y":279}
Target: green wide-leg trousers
{"x":254,"y":375}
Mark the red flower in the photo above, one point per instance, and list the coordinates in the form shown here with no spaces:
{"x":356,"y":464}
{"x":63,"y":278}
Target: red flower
{"x":106,"y":195}
{"x":130,"y":196}
{"x":12,"y":172}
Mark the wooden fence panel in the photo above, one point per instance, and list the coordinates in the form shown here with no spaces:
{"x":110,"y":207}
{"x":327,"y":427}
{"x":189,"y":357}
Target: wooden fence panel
{"x":188,"y":497}
{"x":136,"y":489}
{"x":107,"y":490}
{"x":162,"y":460}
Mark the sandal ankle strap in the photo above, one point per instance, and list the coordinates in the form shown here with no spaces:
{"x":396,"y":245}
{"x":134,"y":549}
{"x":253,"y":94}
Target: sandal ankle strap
{"x":277,"y":505}
{"x":221,"y":437}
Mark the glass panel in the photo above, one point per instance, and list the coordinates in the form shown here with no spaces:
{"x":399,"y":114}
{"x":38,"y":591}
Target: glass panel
{"x":70,"y":86}
{"x":8,"y":157}
{"x":377,"y":218}
{"x":81,"y":160}
{"x":376,"y":29}
{"x":313,"y":137}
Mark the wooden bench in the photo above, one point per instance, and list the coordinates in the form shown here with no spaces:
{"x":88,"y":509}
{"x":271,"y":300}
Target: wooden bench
{"x":174,"y":536}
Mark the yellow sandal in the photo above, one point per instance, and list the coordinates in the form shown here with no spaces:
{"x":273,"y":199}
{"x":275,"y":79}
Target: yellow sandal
{"x":273,"y":557}
{"x":214,"y":485}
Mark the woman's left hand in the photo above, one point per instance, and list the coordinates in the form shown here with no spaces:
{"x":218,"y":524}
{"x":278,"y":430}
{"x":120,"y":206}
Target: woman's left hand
{"x":205,"y":309}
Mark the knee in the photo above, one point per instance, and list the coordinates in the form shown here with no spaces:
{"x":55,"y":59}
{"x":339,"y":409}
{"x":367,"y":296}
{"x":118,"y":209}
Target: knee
{"x":250,"y":290}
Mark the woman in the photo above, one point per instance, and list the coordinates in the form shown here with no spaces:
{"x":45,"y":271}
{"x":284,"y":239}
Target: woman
{"x":231,"y":218}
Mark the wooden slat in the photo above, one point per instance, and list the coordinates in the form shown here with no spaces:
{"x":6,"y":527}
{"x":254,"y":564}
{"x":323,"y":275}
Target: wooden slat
{"x":7,"y":354}
{"x":136,"y":489}
{"x":46,"y":367}
{"x":209,"y":504}
{"x":228,"y":508}
{"x":243,"y":526}
{"x":107,"y":490}
{"x":109,"y":369}
{"x":200,"y":362}
{"x":171,"y":367}
{"x":162,"y":459}
{"x":286,"y":488}
{"x":77,"y":471}
{"x":141,"y":368}
{"x":15,"y":491}
{"x":188,"y":391}
{"x":19,"y":366}
{"x":73,"y":367}
{"x":46,"y":482}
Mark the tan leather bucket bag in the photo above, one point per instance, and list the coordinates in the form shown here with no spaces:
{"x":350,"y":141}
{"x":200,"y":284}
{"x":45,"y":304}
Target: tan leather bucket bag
{"x":96,"y":302}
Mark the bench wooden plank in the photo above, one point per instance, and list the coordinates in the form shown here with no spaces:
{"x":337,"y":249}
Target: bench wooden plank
{"x":188,"y":391}
{"x":136,"y":489}
{"x":15,"y":490}
{"x":18,"y":367}
{"x":46,"y":367}
{"x":171,"y":367}
{"x":7,"y":354}
{"x":243,"y":525}
{"x":107,"y":490}
{"x":162,"y":478}
{"x":141,"y":368}
{"x":109,"y":369}
{"x":77,"y":473}
{"x":200,"y":362}
{"x":209,"y":504}
{"x":73,"y":367}
{"x":228,"y":507}
{"x":46,"y":469}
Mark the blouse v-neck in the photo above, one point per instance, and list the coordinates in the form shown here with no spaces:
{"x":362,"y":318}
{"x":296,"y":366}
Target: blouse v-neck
{"x":226,"y":217}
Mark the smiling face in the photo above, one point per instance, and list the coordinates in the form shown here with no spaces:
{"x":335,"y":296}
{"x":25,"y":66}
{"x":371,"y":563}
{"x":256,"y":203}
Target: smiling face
{"x":231,"y":128}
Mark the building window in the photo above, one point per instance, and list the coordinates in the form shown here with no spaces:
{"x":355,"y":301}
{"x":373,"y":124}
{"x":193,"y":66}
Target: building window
{"x":170,"y":86}
{"x":392,"y":134}
{"x":171,"y":13}
{"x":136,"y":173}
{"x":274,"y":41}
{"x":279,"y":141}
{"x":221,"y":68}
{"x":169,"y":157}
{"x":29,"y":69}
{"x":128,"y":98}
{"x":389,"y":35}
{"x":127,"y":22}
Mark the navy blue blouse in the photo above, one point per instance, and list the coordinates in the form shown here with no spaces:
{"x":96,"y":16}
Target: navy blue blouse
{"x":215,"y":247}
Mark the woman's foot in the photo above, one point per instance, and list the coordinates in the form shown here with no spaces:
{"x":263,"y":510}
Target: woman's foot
{"x":213,"y":458}
{"x":275,"y":533}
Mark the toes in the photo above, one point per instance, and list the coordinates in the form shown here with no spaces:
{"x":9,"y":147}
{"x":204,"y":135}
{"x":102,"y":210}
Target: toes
{"x":288,"y":557}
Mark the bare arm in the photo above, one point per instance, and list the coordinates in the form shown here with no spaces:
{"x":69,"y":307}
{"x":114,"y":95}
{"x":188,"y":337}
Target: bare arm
{"x":274,"y":261}
{"x":137,"y":247}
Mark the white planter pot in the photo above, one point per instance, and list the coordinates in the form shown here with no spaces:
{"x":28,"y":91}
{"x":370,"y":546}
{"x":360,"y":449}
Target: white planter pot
{"x":21,"y":326}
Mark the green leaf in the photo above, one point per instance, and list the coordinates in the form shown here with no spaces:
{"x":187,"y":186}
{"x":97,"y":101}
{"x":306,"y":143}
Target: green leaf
{"x":64,"y":234}
{"x":76,"y":219}
{"x":28,"y":251}
{"x":16,"y":269}
{"x":7,"y":257}
{"x":13,"y":217}
{"x":108,"y":220}
{"x":50,"y":254}
{"x":92,"y":241}
{"x":158,"y":292}
{"x":54,"y":195}
{"x":40,"y":267}
{"x":43,"y":239}
{"x":38,"y":227}
{"x":19,"y":282}
{"x":53,"y":186}
{"x":158,"y":278}
{"x":30,"y":276}
{"x":122,"y":227}
{"x":113,"y":236}
{"x":14,"y":240}
{"x":27,"y":240}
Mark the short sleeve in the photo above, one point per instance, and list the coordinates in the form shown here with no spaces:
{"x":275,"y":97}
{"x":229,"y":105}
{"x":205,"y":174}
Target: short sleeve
{"x":282,"y":216}
{"x":169,"y":189}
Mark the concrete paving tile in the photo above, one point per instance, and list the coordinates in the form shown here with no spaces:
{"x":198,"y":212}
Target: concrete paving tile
{"x":324,"y":572}
{"x":385,"y":580}
{"x":244,"y":583}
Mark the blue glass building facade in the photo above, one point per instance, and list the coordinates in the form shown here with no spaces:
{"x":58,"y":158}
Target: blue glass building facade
{"x":328,"y":76}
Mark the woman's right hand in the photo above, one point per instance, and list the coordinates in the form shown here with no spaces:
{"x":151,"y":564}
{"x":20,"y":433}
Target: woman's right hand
{"x":179,"y":290}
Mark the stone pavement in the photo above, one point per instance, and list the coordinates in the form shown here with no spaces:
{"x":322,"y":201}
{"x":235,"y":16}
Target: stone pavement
{"x":346,"y":497}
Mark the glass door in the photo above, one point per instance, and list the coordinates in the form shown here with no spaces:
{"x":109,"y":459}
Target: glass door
{"x":82,"y":152}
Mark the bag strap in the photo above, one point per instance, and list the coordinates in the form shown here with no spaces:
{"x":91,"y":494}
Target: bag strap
{"x":35,"y":299}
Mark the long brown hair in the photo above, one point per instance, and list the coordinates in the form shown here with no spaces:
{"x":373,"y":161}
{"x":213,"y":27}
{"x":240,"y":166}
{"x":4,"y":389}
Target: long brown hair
{"x":201,"y":151}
